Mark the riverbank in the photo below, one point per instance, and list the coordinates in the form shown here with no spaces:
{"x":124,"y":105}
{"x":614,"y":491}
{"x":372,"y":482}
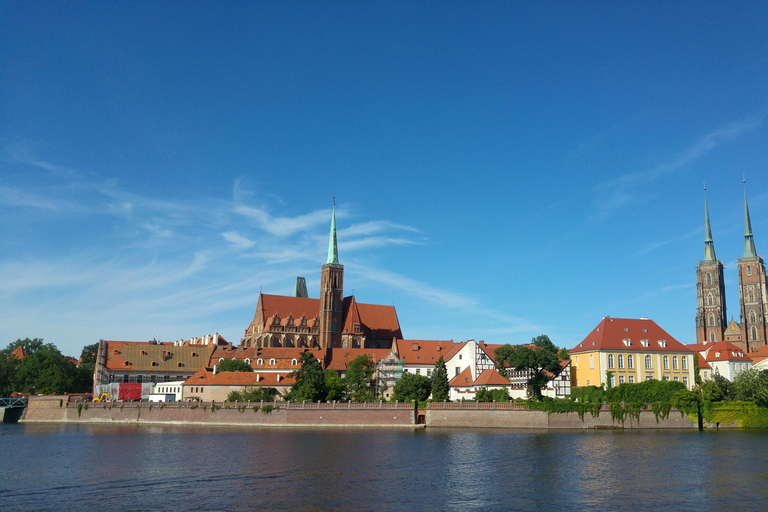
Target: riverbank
{"x":64,"y":409}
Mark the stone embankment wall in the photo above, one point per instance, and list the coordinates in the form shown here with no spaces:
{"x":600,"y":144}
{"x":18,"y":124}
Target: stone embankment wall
{"x":59,"y":409}
{"x":453,"y":414}
{"x":514,"y":415}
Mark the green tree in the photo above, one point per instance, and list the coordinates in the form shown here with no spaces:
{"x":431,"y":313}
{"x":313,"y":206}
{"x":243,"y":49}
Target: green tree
{"x":440,"y":388}
{"x":752,"y":385}
{"x":252,"y":394}
{"x":233,"y":365}
{"x":310,"y":380}
{"x":88,"y":354}
{"x":47,"y":371}
{"x":30,"y":346}
{"x":358,"y":378}
{"x":412,"y":387}
{"x":336,"y":388}
{"x":538,"y":359}
{"x":492,"y":395}
{"x":563,"y":354}
{"x":717,"y":389}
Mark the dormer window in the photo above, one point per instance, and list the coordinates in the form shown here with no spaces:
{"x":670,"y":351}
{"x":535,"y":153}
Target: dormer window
{"x":143,"y":352}
{"x":644,"y":342}
{"x":645,"y":330}
{"x":247,"y":361}
{"x":626,"y":329}
{"x":627,"y":342}
{"x":593,"y":343}
{"x":272,"y":362}
{"x":662,"y":343}
{"x":717,"y":354}
{"x":259,"y":361}
{"x":221,"y":359}
{"x":294,"y":362}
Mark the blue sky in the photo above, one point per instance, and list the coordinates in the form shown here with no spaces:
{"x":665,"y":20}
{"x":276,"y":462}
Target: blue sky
{"x":501,"y":169}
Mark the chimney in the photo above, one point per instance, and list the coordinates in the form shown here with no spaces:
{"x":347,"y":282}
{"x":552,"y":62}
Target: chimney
{"x":215,"y":369}
{"x":258,"y":377}
{"x":278,"y":377}
{"x":216,"y":339}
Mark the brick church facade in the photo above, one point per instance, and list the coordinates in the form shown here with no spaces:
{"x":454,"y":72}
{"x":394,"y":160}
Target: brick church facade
{"x":751,"y":332}
{"x":332,"y":321}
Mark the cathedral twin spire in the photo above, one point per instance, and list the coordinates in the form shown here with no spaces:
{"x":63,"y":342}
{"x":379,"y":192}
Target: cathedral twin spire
{"x":749,"y":243}
{"x":333,"y":250}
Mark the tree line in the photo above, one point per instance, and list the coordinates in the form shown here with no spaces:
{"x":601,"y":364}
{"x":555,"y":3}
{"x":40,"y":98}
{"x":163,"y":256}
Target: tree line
{"x":45,"y":369}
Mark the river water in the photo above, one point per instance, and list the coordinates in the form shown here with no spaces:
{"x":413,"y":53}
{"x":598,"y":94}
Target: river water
{"x":174,"y":468}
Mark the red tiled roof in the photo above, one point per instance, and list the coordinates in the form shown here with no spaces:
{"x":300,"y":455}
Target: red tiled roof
{"x":486,"y":378}
{"x":462,"y":380}
{"x":140,"y":355}
{"x":726,"y":351}
{"x":610,"y":334}
{"x":759,"y":354}
{"x":283,"y":356}
{"x":703,"y":364}
{"x":426,"y":352}
{"x":19,"y":353}
{"x":341,"y":357}
{"x":205,"y":377}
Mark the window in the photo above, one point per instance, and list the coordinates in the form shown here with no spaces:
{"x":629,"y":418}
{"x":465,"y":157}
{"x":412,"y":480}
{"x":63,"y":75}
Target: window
{"x":751,"y":296}
{"x":294,"y":362}
{"x":712,"y":336}
{"x":666,"y":362}
{"x":665,"y":378}
{"x":459,"y":357}
{"x":648,"y":362}
{"x":630,"y":361}
{"x":247,"y":361}
{"x":749,"y":270}
{"x":612,"y":380}
{"x":272,"y":362}
{"x":429,"y":373}
{"x":621,"y":379}
{"x":610,"y":360}
{"x":709,"y":279}
{"x":674,"y":362}
{"x":676,"y":378}
{"x":754,"y":332}
{"x":752,"y":317}
{"x":709,"y":300}
{"x":418,"y":371}
{"x":648,"y":376}
{"x":591,"y":362}
{"x":631,"y":379}
{"x":685,"y":380}
{"x":458,"y":370}
{"x":259,"y":361}
{"x":684,"y":362}
{"x":711,"y":320}
{"x":621,"y":361}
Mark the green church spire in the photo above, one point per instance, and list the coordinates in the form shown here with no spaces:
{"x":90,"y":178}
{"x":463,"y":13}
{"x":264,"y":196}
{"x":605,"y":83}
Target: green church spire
{"x":333,"y":250}
{"x":749,"y":244}
{"x":709,"y":247}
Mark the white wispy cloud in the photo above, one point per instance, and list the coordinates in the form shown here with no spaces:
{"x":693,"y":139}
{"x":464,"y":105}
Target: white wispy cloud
{"x":373,"y":227}
{"x":236,"y":240}
{"x":614,"y":193}
{"x":284,"y":226}
{"x":374,"y":241}
{"x":157,"y":230}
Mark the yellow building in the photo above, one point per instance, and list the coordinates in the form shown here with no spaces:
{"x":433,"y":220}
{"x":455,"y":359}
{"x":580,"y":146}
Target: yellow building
{"x":626,"y":350}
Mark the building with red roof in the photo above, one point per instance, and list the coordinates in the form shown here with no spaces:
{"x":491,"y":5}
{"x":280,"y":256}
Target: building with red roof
{"x":629,"y":350}
{"x":332,"y":321}
{"x":723,"y":358}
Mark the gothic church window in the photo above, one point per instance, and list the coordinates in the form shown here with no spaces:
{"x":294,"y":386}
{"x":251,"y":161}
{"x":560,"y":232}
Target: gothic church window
{"x":751,"y":296}
{"x":712,"y":336}
{"x":709,"y":279}
{"x":754,"y":332}
{"x":709,"y":300}
{"x":752,"y":317}
{"x":711,"y":320}
{"x":749,"y":270}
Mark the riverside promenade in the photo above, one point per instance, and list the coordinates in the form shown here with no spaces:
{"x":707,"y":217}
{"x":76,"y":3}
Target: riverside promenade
{"x":64,"y":409}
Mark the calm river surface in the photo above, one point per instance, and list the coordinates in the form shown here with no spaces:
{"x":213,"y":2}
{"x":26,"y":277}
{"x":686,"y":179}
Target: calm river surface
{"x":89,"y":467}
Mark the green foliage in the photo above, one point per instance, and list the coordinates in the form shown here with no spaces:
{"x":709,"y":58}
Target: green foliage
{"x":717,"y":389}
{"x":563,"y":354}
{"x":647,"y":392}
{"x":233,"y":365}
{"x":608,"y":375}
{"x":335,"y":387}
{"x":255,"y":408}
{"x":491,"y":395}
{"x":191,"y":407}
{"x":561,"y":406}
{"x":252,"y":394}
{"x":359,"y":378}
{"x":79,"y":409}
{"x":539,"y":359}
{"x":621,"y":412}
{"x":440,"y":388}
{"x":88,"y":354}
{"x":751,"y":385}
{"x":686,"y":401}
{"x":412,"y":387}
{"x":267,"y":409}
{"x":588,"y":394}
{"x":310,"y":380}
{"x":696,"y":374}
{"x":44,"y":369}
{"x":661,"y":410}
{"x":744,"y":414}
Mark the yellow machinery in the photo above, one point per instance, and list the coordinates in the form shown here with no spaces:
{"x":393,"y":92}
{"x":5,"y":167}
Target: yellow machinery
{"x":105,"y":397}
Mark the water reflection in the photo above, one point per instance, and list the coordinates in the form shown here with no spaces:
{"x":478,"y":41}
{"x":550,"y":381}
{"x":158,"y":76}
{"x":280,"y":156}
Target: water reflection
{"x":66,"y":467}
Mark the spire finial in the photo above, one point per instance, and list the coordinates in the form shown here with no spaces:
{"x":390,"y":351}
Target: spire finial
{"x":709,"y":247}
{"x":749,"y":243}
{"x":333,"y":250}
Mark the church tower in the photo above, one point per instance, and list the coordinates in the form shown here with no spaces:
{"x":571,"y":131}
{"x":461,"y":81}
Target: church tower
{"x":753,"y":296}
{"x":331,"y":293}
{"x":710,"y":290}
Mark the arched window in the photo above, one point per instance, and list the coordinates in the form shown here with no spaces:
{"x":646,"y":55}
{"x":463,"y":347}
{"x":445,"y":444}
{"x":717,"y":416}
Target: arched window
{"x":709,"y":278}
{"x":711,"y":320}
{"x":749,"y":270}
{"x":712,"y":336}
{"x":591,"y":361}
{"x":621,"y":361}
{"x":247,"y":361}
{"x":272,"y":362}
{"x":630,"y":362}
{"x":674,"y":362}
{"x":294,"y":362}
{"x":648,"y":362}
{"x":751,"y":296}
{"x":666,"y":362}
{"x":221,"y":359}
{"x":709,"y":300}
{"x":754,"y":332}
{"x":610,"y":360}
{"x":752,"y":317}
{"x":259,"y":361}
{"x":684,"y":362}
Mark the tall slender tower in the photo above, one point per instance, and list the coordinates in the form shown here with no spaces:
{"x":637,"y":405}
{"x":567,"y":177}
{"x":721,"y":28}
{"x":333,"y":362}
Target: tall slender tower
{"x":753,"y":296}
{"x":331,"y":293}
{"x":710,"y":290}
